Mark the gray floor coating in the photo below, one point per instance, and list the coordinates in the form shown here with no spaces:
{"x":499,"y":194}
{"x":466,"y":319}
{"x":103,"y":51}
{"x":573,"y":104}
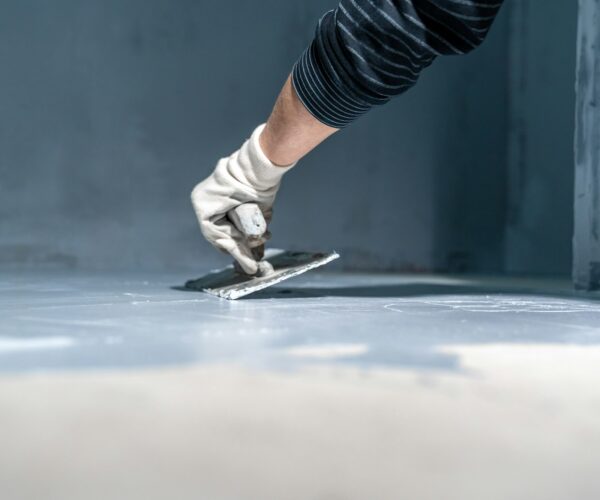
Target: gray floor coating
{"x":55,"y":321}
{"x":329,"y":386}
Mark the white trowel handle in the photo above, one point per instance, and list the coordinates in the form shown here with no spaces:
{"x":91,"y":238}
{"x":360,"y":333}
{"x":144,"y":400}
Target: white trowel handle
{"x":249,"y":220}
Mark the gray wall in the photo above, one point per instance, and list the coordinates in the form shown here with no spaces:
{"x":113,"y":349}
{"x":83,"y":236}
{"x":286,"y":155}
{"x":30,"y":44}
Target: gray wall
{"x":417,"y":184}
{"x":586,"y":237}
{"x":539,"y":231}
{"x":111,"y":111}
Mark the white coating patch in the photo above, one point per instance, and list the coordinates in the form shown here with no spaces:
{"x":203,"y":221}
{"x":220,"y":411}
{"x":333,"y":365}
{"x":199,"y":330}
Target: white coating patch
{"x":500,"y":304}
{"x":12,"y":344}
{"x":328,"y":351}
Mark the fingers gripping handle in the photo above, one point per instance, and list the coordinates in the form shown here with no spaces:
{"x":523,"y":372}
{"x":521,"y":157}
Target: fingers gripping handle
{"x":249,"y":220}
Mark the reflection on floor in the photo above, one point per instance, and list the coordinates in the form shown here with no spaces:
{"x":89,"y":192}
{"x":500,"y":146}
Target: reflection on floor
{"x":332,"y":386}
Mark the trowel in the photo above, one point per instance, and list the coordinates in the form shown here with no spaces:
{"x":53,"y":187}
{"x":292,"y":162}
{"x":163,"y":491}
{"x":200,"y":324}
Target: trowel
{"x":274,"y":266}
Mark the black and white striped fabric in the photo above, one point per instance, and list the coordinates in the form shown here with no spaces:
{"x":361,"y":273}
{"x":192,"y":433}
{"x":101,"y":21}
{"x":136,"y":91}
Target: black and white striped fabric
{"x":367,"y":51}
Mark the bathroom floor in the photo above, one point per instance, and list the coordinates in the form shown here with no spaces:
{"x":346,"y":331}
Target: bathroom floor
{"x":330,"y":386}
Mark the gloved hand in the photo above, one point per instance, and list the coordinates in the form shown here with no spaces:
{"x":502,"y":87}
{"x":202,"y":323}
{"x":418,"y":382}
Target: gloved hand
{"x":245,"y":176}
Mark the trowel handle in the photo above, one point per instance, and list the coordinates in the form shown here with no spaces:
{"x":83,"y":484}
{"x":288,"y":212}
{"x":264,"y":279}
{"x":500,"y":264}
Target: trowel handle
{"x":249,"y":220}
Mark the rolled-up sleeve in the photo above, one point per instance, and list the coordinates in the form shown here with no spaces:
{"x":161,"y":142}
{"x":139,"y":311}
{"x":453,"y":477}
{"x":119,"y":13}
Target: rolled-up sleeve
{"x":367,"y":51}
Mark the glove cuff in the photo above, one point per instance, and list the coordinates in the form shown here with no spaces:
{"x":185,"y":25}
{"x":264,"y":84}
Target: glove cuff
{"x":263,"y":173}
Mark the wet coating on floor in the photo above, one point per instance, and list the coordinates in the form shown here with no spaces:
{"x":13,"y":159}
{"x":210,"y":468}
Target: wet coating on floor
{"x":61,"y":321}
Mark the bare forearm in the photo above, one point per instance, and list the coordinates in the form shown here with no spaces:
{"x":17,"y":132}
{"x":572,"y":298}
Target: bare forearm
{"x":291,"y":131}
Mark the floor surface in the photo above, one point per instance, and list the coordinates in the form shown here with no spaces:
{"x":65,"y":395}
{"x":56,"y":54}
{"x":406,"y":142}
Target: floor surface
{"x":331,"y":386}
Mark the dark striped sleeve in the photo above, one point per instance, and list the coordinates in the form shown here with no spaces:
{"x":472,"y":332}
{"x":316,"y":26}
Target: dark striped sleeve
{"x":367,"y":51}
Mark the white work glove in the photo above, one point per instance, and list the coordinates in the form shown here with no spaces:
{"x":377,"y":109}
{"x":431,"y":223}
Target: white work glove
{"x":246,"y":176}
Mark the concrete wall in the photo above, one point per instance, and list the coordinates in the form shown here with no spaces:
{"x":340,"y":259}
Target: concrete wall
{"x":539,"y":231}
{"x":586,"y":238}
{"x":112,"y":110}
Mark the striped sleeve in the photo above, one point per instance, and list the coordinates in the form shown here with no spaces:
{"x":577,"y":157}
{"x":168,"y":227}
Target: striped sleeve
{"x":367,"y":51}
